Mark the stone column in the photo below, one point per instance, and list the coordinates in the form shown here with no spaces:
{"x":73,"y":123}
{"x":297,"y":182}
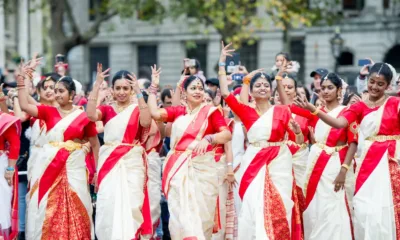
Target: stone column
{"x":2,"y":39}
{"x":170,"y":55}
{"x":23,"y":28}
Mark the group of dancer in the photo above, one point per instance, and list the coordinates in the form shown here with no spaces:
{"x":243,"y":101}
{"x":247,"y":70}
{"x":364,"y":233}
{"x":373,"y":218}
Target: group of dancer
{"x":273,"y":171}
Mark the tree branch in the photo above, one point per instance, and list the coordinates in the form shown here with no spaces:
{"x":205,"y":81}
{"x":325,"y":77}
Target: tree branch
{"x":71,"y":19}
{"x":94,"y":30}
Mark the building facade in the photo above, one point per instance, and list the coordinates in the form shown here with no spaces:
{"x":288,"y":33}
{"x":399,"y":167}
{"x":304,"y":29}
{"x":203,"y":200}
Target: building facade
{"x":369,"y":28}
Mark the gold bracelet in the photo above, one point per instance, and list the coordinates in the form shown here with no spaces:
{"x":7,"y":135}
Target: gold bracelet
{"x":315,"y":112}
{"x":221,"y":73}
{"x":346,"y":166}
{"x":299,"y":134}
{"x":247,"y":79}
{"x":278,"y":78}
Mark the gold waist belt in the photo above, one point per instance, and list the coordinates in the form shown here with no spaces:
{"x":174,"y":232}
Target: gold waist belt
{"x":330,"y":150}
{"x":301,"y":146}
{"x":69,"y":145}
{"x":263,"y":144}
{"x":383,"y":138}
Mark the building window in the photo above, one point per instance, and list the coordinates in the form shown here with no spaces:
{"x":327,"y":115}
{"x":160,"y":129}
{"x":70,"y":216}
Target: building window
{"x":147,"y":56}
{"x":200,"y":53}
{"x":97,"y":55}
{"x":249,"y":56}
{"x":386,"y":4}
{"x":346,"y":59}
{"x":353,"y":4}
{"x":297,"y":53}
{"x":95,"y":9}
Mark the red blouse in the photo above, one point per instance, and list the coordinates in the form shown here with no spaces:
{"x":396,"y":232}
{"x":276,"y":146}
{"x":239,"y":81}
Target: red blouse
{"x":348,"y":134}
{"x":357,"y":111}
{"x":249,"y":116}
{"x":51,"y":116}
{"x":10,"y":136}
{"x":216,"y":122}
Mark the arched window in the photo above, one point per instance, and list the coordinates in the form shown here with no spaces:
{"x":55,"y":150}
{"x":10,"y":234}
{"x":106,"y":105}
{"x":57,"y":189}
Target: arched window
{"x":392,"y":57}
{"x":346,"y":59}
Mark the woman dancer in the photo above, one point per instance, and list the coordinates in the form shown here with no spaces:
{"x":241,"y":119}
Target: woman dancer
{"x":325,"y":162}
{"x":122,"y":167}
{"x":35,"y":162}
{"x":267,"y":179}
{"x":376,"y":199}
{"x":63,"y":195}
{"x":190,"y":180}
{"x":9,"y":151}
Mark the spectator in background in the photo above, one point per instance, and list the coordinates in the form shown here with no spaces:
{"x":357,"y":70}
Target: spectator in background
{"x":318,"y":75}
{"x":166,"y":97}
{"x":303,"y":91}
{"x":212,"y":84}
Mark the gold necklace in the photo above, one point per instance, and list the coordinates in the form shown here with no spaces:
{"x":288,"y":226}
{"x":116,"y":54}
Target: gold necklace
{"x":120,"y":108}
{"x":377,"y":102}
{"x":66,"y":112}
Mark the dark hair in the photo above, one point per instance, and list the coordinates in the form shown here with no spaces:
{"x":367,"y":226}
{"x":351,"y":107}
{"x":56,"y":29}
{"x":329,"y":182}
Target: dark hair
{"x":292,"y":76}
{"x":48,"y":77}
{"x":256,"y":77}
{"x":236,"y":86}
{"x":120,"y":75}
{"x":68,"y":83}
{"x":146,"y":84}
{"x":197,"y":64}
{"x":305,"y":90}
{"x":334,"y":78}
{"x":145,"y":96}
{"x":284,"y":54}
{"x":384,"y":69}
{"x":209,"y":92}
{"x":348,"y":96}
{"x":190,"y":80}
{"x":165,"y":93}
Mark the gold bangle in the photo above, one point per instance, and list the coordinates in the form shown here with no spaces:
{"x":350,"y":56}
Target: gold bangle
{"x":246,"y":80}
{"x":315,"y":112}
{"x":278,"y":78}
{"x":299,"y":134}
{"x":221,"y":73}
{"x":346,"y":166}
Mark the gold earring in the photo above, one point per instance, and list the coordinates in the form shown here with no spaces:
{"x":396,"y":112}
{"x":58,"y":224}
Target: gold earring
{"x":70,"y":100}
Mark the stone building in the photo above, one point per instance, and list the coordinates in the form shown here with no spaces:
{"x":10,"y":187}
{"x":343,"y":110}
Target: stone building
{"x":371,"y":28}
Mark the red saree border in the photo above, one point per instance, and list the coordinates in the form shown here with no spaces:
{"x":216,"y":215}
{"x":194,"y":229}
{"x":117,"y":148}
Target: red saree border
{"x":14,"y":208}
{"x":394,"y":171}
{"x":263,"y":157}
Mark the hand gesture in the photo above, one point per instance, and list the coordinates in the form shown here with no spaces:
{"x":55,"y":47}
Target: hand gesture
{"x":34,"y":62}
{"x":340,"y":180}
{"x":364,"y":70}
{"x":201,"y":147}
{"x":284,"y":67}
{"x":217,"y":98}
{"x":100,"y":76}
{"x":225,"y":51}
{"x":303,"y":103}
{"x":134,"y":83}
{"x":155,"y":75}
{"x":311,"y":135}
{"x":9,"y":176}
{"x":252,"y":73}
{"x":243,"y":70}
{"x":230,"y":179}
{"x":294,"y":126}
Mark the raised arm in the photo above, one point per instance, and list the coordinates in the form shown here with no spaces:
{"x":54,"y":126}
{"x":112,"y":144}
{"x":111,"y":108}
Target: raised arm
{"x":152,"y":100}
{"x":91,"y":108}
{"x":339,"y":122}
{"x":23,"y":95}
{"x":223,"y":82}
{"x":145,"y":116}
{"x":278,"y":78}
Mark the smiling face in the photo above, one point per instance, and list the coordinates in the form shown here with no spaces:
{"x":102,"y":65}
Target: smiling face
{"x":377,"y":85}
{"x":47,"y":91}
{"x":195,"y":92}
{"x":122,"y":91}
{"x":261,"y":89}
{"x":329,"y":91}
{"x":62,"y":95}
